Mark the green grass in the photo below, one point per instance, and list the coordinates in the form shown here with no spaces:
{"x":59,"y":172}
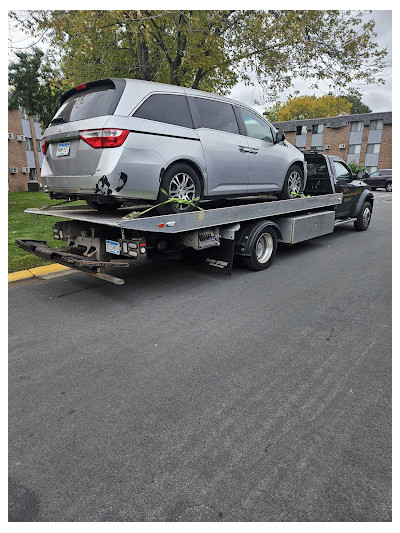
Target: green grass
{"x":24,"y":226}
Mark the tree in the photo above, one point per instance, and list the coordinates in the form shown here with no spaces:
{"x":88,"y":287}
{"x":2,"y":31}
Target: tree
{"x":303,"y":107}
{"x":356,"y":167}
{"x":34,"y":85}
{"x":213,"y":50}
{"x":357,"y":106}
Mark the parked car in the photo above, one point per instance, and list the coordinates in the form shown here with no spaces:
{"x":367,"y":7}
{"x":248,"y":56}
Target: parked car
{"x":380,"y":179}
{"x":117,"y":140}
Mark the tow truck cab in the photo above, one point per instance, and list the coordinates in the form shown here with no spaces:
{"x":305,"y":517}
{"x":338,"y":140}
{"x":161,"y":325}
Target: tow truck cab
{"x":327,"y":174}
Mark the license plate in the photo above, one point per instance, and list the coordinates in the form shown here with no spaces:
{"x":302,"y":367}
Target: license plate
{"x":63,"y":149}
{"x":113,"y":247}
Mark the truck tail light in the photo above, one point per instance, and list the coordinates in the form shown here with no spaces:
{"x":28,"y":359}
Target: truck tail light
{"x":104,"y":138}
{"x":44,"y":144}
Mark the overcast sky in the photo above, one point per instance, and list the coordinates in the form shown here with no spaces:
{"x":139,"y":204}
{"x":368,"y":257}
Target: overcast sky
{"x":378,"y":98}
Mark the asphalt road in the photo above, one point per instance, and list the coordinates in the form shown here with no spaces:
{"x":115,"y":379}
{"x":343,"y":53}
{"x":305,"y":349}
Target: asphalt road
{"x":188,"y":396}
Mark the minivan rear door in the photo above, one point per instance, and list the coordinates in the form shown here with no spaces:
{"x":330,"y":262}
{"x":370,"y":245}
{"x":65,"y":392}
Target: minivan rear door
{"x":86,"y":107}
{"x":225,"y":150}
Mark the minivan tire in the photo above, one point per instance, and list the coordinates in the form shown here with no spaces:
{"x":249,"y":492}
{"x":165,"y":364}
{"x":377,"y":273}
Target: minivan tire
{"x":294,"y":180}
{"x":182,"y":181}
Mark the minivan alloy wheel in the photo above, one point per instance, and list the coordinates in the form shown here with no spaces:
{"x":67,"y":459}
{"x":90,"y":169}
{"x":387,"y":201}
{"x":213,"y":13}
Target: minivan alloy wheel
{"x":294,"y":182}
{"x":183,"y":187}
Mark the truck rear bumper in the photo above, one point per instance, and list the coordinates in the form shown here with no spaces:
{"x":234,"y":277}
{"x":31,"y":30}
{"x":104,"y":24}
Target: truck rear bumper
{"x":78,"y":262}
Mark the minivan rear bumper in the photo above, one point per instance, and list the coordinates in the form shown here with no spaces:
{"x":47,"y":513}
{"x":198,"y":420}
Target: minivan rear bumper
{"x":134,"y":174}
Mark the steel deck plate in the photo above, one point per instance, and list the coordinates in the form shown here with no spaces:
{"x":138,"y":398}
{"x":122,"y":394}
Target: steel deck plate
{"x":195,"y":219}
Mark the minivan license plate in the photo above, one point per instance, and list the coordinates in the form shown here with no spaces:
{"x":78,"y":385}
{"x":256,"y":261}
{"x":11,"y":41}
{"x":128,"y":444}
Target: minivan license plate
{"x":63,"y":149}
{"x":113,"y":247}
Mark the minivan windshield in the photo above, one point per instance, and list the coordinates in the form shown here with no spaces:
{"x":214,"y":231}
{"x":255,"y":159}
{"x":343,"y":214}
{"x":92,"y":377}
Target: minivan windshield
{"x":96,"y":101}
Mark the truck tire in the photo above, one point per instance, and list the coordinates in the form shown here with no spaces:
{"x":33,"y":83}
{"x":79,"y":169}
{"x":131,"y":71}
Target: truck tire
{"x":389,"y":186}
{"x":364,"y":217}
{"x":106,"y":207}
{"x":181,"y":181}
{"x":263,"y":250}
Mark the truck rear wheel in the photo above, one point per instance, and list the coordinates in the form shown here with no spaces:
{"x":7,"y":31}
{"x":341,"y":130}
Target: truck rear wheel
{"x":364,"y":217}
{"x":263,"y":250}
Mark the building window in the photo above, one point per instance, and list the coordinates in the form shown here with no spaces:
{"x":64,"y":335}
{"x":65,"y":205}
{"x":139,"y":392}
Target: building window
{"x":28,"y":144}
{"x":356,"y":126}
{"x":354,"y":148}
{"x":318,"y":128}
{"x":301,"y":130}
{"x":370,"y":170}
{"x":32,"y":174}
{"x":376,"y":124}
{"x":24,"y":114}
{"x":373,"y":148}
{"x":38,"y":145}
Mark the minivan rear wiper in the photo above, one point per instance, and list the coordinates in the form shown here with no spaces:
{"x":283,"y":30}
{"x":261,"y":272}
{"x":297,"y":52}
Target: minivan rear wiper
{"x":57,"y":120}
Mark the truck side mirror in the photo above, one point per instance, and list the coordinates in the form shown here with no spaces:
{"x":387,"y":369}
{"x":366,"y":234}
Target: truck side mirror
{"x":280,"y":136}
{"x":361,"y":174}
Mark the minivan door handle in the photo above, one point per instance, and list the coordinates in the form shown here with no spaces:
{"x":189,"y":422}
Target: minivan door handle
{"x":253,"y":150}
{"x":243,"y":149}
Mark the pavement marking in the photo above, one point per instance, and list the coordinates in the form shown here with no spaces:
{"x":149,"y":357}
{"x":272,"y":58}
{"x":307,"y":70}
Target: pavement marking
{"x":36,"y":272}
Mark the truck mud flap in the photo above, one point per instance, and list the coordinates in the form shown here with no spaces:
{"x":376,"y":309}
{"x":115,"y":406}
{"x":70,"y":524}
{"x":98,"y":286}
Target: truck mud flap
{"x":78,"y":262}
{"x":219,"y":258}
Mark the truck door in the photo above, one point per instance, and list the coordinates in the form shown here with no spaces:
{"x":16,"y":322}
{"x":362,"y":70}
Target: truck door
{"x":344,"y":184}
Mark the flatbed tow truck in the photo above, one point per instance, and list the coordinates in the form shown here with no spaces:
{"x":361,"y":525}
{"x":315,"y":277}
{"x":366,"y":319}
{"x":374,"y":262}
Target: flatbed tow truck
{"x":248,"y":227}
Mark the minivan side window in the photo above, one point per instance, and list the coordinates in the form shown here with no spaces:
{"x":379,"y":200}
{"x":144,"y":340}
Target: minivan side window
{"x":214,"y":114}
{"x":167,"y":108}
{"x":255,"y":126}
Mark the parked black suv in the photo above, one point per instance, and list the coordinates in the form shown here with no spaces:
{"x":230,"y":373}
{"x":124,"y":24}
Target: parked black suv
{"x":380,"y":179}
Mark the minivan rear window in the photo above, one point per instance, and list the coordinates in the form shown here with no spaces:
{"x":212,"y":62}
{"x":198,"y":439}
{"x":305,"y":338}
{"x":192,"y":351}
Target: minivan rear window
{"x":167,"y":108}
{"x":97,"y":101}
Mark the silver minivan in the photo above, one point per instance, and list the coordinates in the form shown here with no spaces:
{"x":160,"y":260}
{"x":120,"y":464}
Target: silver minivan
{"x":118,"y":140}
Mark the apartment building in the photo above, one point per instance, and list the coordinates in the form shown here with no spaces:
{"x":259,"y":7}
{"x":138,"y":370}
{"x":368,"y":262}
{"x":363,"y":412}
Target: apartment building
{"x":365,"y":138}
{"x":24,"y":152}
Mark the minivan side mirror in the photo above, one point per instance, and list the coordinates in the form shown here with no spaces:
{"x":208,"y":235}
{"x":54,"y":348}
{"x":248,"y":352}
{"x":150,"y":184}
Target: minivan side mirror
{"x":280,"y":136}
{"x":361,"y":174}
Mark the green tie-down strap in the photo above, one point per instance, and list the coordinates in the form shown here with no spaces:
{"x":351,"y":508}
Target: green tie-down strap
{"x":300,"y":195}
{"x":137,"y":214}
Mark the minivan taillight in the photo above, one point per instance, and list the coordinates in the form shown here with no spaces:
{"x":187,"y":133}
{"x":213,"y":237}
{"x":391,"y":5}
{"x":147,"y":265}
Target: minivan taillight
{"x":44,"y":144}
{"x":104,"y":138}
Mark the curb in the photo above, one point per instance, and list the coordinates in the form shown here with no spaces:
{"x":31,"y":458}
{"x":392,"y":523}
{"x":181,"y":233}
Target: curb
{"x":38,"y":272}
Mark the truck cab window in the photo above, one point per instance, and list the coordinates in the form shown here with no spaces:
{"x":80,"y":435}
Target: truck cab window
{"x":342,"y":172}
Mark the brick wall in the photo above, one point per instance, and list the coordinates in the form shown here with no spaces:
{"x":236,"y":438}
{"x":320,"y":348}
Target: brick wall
{"x":334,"y":137}
{"x":16,"y":153}
{"x":385,"y":154}
{"x":291,"y":137}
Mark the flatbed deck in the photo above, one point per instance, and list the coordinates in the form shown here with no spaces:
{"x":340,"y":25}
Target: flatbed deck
{"x":199,"y":219}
